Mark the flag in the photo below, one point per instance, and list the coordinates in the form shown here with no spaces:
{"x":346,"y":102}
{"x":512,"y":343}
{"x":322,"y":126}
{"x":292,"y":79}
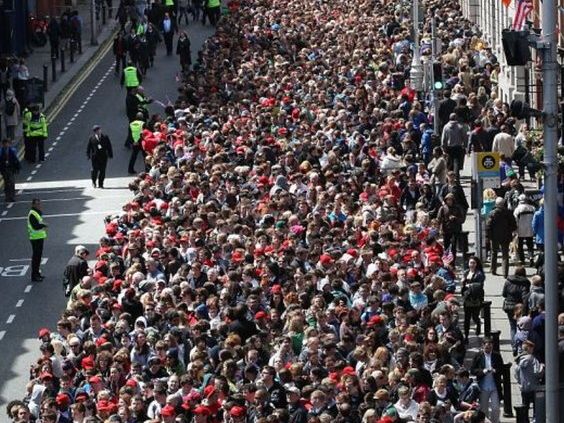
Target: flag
{"x":523,"y":9}
{"x":448,"y":257}
{"x":506,"y":3}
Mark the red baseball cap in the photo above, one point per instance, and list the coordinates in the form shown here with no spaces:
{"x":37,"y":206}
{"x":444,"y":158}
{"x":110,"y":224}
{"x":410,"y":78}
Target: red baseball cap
{"x":168,"y":411}
{"x":44,"y":332}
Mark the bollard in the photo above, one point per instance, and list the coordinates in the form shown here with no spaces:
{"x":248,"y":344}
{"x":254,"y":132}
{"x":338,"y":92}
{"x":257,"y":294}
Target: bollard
{"x":521,"y":414}
{"x":506,"y":380}
{"x":62,"y":60}
{"x":495,"y":334}
{"x":45,"y":77}
{"x":487,"y":315}
{"x":54,"y":68}
{"x":72,"y":51}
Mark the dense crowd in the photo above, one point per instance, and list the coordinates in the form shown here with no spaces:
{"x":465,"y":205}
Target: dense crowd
{"x":290,"y":252}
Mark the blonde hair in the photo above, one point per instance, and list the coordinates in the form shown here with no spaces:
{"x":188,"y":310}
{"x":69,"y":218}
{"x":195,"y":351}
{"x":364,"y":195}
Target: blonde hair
{"x":489,"y":194}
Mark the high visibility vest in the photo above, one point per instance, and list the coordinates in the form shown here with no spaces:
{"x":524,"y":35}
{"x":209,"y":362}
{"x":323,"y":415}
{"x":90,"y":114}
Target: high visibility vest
{"x":131,"y":79}
{"x":169,"y":2}
{"x":25,"y":121}
{"x":136,"y":127}
{"x":37,"y":127}
{"x":142,"y":102}
{"x":214,"y":3}
{"x":34,"y":234}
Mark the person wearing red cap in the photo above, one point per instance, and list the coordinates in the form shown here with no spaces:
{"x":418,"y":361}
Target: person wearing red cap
{"x":168,"y":414}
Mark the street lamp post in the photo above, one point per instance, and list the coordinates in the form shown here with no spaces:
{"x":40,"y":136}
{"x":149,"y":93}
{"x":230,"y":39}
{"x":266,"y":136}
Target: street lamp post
{"x":416,"y":72}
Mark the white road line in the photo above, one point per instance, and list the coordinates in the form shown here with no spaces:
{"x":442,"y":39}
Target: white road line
{"x":33,"y":172}
{"x":2,"y":334}
{"x":38,"y":165}
{"x":72,"y":119}
{"x":62,"y":133}
{"x":5,"y":212}
{"x":10,"y":205}
{"x":75,"y":115}
{"x":47,"y":154}
{"x":55,"y":143}
{"x":50,"y":191}
{"x":19,"y":303}
{"x":28,"y":289}
{"x":78,"y":198}
{"x":51,"y":216}
{"x":29,"y":178}
{"x":66,"y":128}
{"x":58,"y":138}
{"x":11,"y":318}
{"x":51,"y":148}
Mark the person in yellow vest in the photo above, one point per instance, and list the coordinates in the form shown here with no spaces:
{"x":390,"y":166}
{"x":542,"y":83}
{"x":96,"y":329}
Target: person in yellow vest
{"x":213,"y":10}
{"x":131,"y":77}
{"x":134,"y":137}
{"x":37,"y":134}
{"x":26,"y":117}
{"x":37,"y":233}
{"x":170,"y":7}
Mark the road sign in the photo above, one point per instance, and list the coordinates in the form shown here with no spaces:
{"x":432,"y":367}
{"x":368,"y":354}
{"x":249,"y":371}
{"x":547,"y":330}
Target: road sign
{"x":485,"y":165}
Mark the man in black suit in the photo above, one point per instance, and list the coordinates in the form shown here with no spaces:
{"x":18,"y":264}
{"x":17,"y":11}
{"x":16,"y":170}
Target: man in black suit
{"x":487,"y":366}
{"x":99,"y":150}
{"x":446,"y":107}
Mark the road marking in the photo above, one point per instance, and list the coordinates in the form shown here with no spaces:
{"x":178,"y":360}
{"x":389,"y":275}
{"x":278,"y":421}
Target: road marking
{"x":51,"y":148}
{"x":48,"y":191}
{"x":29,"y":178}
{"x":79,"y":198}
{"x":58,"y":138}
{"x":9,"y":206}
{"x":38,"y":165}
{"x":66,"y":128}
{"x":47,"y":154}
{"x":19,"y":303}
{"x":72,"y":119}
{"x":55,"y":143}
{"x":2,"y":334}
{"x":11,"y":318}
{"x":49,"y":216}
{"x":62,"y":133}
{"x":5,"y":212}
{"x":28,"y":289}
{"x":33,"y":172}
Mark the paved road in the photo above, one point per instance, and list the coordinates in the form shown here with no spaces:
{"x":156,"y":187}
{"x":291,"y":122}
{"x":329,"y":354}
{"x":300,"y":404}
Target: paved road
{"x":73,"y":209}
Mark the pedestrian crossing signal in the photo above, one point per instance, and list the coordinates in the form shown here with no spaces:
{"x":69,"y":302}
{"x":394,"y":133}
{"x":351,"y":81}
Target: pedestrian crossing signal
{"x":438,"y":75}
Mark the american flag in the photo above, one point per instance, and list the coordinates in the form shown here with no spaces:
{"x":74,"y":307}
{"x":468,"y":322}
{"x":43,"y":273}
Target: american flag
{"x":523,"y":8}
{"x":448,"y":257}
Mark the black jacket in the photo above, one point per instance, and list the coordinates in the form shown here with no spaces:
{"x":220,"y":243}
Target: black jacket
{"x":500,"y":225}
{"x":76,"y":269}
{"x":99,"y":148}
{"x":479,"y":363}
{"x":514,"y":291}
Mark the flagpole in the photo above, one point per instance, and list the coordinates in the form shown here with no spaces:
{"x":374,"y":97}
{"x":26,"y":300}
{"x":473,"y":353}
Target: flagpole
{"x":550,"y":127}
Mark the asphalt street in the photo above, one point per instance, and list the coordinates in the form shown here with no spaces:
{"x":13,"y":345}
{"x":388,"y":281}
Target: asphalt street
{"x":72,"y":208}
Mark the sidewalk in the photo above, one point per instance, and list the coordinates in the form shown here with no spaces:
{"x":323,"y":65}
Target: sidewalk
{"x":56,"y":90}
{"x":493,"y":287}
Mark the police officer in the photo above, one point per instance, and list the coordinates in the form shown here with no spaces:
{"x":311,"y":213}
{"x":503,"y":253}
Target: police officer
{"x":134,"y":137}
{"x":26,"y":117}
{"x":37,"y":134}
{"x":37,"y":233}
{"x":213,"y":10}
{"x":142,"y":102}
{"x":99,"y":150}
{"x":131,"y":77}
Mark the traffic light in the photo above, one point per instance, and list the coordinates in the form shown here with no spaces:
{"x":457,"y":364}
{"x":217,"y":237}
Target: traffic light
{"x":438,"y":75}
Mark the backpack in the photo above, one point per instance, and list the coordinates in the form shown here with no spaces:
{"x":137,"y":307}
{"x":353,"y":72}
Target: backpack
{"x":473,"y":295}
{"x":10,"y":108}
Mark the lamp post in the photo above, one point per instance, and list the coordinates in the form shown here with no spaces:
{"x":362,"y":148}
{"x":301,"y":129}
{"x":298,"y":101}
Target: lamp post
{"x":416,"y":72}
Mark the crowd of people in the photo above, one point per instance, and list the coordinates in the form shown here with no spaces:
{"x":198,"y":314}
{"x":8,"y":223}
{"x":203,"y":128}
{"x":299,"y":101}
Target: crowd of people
{"x":290,"y":253}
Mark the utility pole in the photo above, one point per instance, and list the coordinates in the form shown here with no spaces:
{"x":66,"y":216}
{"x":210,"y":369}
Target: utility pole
{"x":550,"y":127}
